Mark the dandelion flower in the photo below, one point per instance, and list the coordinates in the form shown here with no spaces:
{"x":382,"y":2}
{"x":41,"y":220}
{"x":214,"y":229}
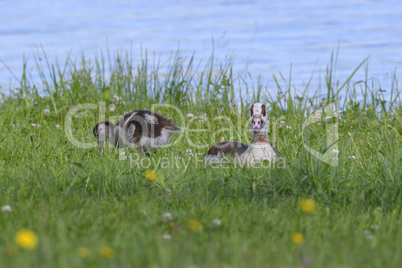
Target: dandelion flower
{"x":26,"y":239}
{"x":307,"y":205}
{"x":216,"y":222}
{"x":83,"y":252}
{"x":194,"y":226}
{"x":6,"y":208}
{"x":167,"y":216}
{"x":107,"y":252}
{"x":151,"y":175}
{"x":297,"y":238}
{"x":46,"y":111}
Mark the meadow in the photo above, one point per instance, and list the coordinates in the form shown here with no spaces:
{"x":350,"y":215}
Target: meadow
{"x":68,"y":206}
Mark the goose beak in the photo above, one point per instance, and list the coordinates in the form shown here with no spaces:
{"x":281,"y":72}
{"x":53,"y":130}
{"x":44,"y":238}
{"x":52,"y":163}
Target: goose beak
{"x":256,"y":123}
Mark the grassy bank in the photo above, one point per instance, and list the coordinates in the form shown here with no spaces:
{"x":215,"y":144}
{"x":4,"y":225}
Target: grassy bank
{"x":89,"y":210}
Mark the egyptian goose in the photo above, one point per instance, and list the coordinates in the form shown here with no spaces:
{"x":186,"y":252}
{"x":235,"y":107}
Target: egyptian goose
{"x":259,"y":148}
{"x":141,"y":129}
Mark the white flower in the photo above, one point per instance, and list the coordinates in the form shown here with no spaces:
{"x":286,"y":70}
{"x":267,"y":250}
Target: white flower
{"x":335,"y":152}
{"x":58,"y":126}
{"x":327,"y":118}
{"x":112,"y":107}
{"x":352,"y":157}
{"x":34,"y":125}
{"x":6,"y":208}
{"x":167,"y":216}
{"x":122,"y":156}
{"x":216,"y":222}
{"x":167,"y":236}
{"x":12,"y":125}
{"x":117,"y":99}
{"x":74,"y":110}
{"x":368,"y":234}
{"x":335,"y":159}
{"x":282,"y":124}
{"x":318,"y":114}
{"x":189,"y":153}
{"x":46,"y":111}
{"x":201,"y":121}
{"x":288,"y":127}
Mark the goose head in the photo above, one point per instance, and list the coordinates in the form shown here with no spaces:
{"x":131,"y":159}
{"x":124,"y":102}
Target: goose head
{"x":258,"y":117}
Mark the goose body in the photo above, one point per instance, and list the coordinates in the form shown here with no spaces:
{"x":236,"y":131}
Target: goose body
{"x":259,"y":149}
{"x":140,"y":129}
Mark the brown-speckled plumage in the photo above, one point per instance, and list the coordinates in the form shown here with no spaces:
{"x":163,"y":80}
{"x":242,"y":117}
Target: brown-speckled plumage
{"x":136,"y":125}
{"x":232,"y":148}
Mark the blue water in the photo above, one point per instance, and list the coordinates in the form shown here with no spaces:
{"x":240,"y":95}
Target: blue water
{"x":267,"y":36}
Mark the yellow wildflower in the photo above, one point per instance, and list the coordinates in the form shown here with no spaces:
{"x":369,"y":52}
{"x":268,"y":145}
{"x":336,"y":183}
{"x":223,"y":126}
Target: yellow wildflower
{"x":194,"y":226}
{"x":107,"y":252}
{"x":151,"y":175}
{"x":297,"y":238}
{"x":26,"y":239}
{"x":83,"y":252}
{"x":308,"y":205}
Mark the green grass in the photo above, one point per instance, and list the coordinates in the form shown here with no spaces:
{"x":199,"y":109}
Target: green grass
{"x":73,"y":197}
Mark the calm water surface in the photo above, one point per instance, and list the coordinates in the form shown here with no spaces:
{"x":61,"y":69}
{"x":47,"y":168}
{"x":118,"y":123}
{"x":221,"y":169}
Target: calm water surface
{"x":267,"y":36}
